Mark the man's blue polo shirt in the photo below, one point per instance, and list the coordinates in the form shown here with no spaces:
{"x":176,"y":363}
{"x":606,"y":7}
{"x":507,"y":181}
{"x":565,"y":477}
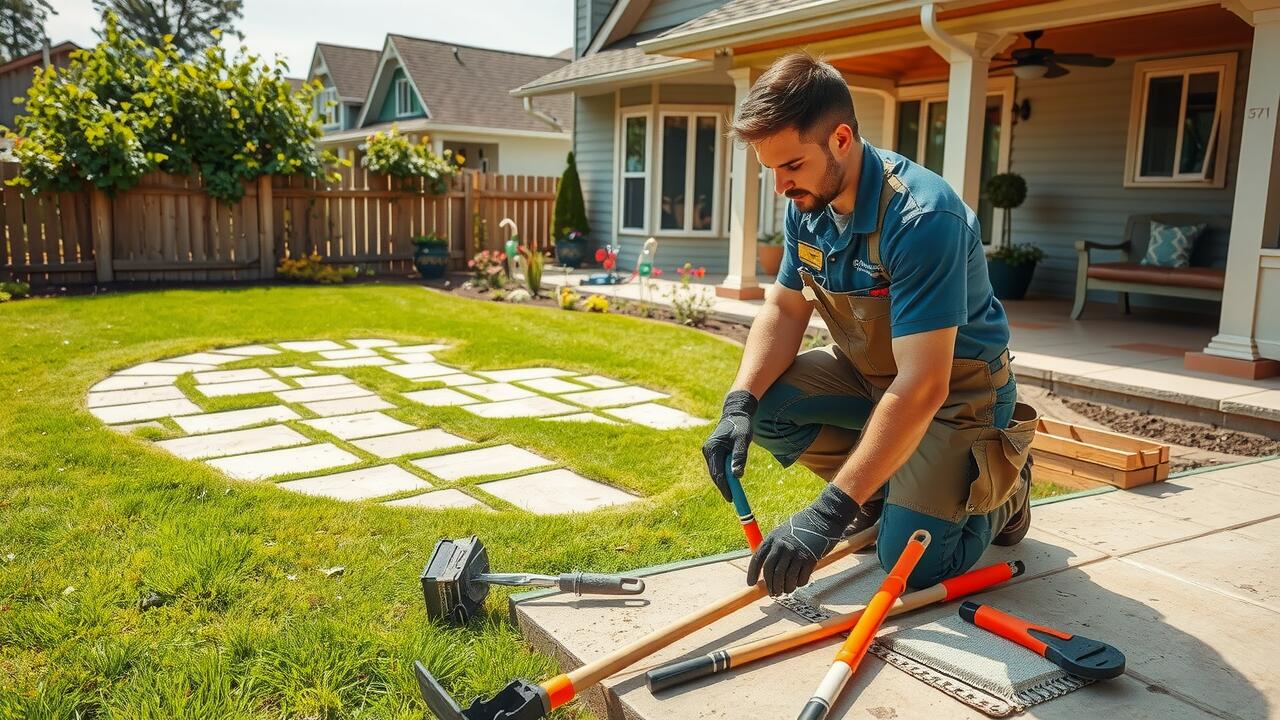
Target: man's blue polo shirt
{"x":931,"y":246}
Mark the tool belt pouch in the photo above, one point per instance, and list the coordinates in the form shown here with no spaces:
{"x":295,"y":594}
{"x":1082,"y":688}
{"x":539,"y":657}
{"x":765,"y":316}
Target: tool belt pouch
{"x":998,"y":456}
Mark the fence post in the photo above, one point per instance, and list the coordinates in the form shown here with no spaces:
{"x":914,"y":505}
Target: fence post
{"x":100,"y":226}
{"x":469,"y":212}
{"x":266,"y":230}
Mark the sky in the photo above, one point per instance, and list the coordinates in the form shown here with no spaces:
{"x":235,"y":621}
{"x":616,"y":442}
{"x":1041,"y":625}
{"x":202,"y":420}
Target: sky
{"x":291,"y":28}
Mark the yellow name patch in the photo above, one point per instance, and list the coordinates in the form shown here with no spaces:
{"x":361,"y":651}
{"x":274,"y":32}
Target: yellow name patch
{"x":810,"y":255}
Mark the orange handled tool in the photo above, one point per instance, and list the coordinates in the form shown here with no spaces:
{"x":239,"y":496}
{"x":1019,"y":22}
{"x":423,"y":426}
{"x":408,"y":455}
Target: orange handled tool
{"x":1076,"y":654}
{"x":859,"y":641}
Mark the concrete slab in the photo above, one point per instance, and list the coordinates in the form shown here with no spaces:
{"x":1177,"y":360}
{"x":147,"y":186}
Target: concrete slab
{"x":457,"y":379}
{"x":1265,"y":404}
{"x":347,"y":406}
{"x":362,"y":484}
{"x":659,"y":417}
{"x":410,"y":443}
{"x":232,"y":419}
{"x":484,"y":461}
{"x":350,"y":427}
{"x":309,"y":346}
{"x":524,"y":407}
{"x":206,"y":358}
{"x":1167,"y":386}
{"x":347,"y":353}
{"x":328,"y":392}
{"x":627,"y":395}
{"x":137,"y":412}
{"x":249,"y":350}
{"x":599,"y":381}
{"x":292,"y":371}
{"x":582,"y":417}
{"x":371,"y":342}
{"x":417,"y":371}
{"x":258,"y":466}
{"x":439,"y":397}
{"x":126,"y":397}
{"x":246,"y":387}
{"x":166,"y":368}
{"x":1242,"y":566}
{"x":496,"y":392}
{"x":128,"y":382}
{"x":235,"y":442}
{"x":1204,"y":500}
{"x":551,"y":385}
{"x":426,"y":348}
{"x":447,"y":498}
{"x":555,"y":492}
{"x":416,"y":358}
{"x":355,"y":362}
{"x":322,"y":380}
{"x":1113,"y":526}
{"x":1262,"y":477}
{"x":222,"y":376}
{"x":525,"y":374}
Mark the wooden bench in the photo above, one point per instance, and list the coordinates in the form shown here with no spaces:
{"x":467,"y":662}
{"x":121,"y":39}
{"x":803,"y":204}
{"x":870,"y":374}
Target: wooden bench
{"x":1203,"y":279}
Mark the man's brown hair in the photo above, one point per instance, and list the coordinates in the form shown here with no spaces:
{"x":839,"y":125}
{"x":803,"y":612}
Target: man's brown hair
{"x":798,"y":91}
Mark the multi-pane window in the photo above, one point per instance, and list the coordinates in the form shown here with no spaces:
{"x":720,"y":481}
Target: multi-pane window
{"x":689,"y":166}
{"x":404,"y":97}
{"x":326,"y":106}
{"x":1182,"y":112}
{"x":635,"y":161}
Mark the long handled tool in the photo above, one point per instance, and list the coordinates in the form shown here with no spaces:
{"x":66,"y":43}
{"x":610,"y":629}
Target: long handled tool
{"x":859,"y":640}
{"x":720,"y":661}
{"x":745,"y":516}
{"x":456,"y":580}
{"x":523,"y":700}
{"x":1076,"y":654}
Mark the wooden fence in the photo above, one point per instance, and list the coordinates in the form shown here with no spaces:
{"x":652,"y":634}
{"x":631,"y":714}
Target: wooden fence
{"x":168,"y":229}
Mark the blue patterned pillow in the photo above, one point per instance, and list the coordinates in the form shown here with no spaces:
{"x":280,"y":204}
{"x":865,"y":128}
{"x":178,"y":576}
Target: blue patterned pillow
{"x":1170,"y":245}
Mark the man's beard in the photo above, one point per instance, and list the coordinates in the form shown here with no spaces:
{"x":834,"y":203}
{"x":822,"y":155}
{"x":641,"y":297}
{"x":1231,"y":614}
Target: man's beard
{"x":807,"y":201}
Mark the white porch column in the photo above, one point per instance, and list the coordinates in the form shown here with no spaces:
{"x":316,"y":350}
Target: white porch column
{"x":744,"y":207}
{"x":969,"y":56}
{"x":1255,"y":214}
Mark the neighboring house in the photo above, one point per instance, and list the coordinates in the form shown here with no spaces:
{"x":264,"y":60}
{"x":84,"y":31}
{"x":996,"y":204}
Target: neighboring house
{"x":15,"y":77}
{"x":458,"y":96}
{"x":1185,"y":120}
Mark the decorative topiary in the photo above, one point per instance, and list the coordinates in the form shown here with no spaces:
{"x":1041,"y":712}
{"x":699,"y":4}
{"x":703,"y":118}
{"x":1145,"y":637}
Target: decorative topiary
{"x":570,"y":212}
{"x":1006,"y":191}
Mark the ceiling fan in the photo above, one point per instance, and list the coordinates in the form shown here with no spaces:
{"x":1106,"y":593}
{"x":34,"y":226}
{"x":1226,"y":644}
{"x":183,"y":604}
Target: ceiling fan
{"x":1034,"y":62}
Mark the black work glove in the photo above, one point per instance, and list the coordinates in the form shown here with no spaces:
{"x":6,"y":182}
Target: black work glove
{"x":787,"y":557}
{"x":731,"y":437}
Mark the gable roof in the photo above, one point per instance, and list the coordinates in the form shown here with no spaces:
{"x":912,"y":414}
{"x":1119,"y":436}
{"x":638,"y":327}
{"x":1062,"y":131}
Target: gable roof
{"x":462,"y":85}
{"x":56,"y":54}
{"x":619,"y":61}
{"x":350,"y":68}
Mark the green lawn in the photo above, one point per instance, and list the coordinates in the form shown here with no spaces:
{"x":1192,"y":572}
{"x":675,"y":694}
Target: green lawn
{"x":92,"y":521}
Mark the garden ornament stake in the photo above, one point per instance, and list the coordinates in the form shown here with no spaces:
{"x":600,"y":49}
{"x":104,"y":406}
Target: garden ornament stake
{"x":523,"y":700}
{"x":512,"y":247}
{"x":456,"y":580}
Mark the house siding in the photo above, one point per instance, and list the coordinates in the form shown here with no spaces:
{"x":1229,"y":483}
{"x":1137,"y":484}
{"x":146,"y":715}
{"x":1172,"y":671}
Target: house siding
{"x":387,"y":112}
{"x":593,"y":153}
{"x":1072,"y":152}
{"x":668,"y":13}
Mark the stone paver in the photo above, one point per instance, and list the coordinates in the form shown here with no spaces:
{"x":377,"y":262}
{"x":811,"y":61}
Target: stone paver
{"x":349,"y":427}
{"x":1265,"y":404}
{"x":555,"y":492}
{"x":136,"y":412}
{"x":525,"y":407}
{"x":347,"y":406}
{"x":308,"y":346}
{"x":1112,"y":525}
{"x":328,"y":392}
{"x":126,"y":397}
{"x":582,"y":417}
{"x":222,"y":376}
{"x":409,"y":443}
{"x":417,"y":371}
{"x":322,"y":380}
{"x":292,"y":371}
{"x":416,"y":358}
{"x":249,"y":351}
{"x":371,"y":342}
{"x":428,"y":348}
{"x":245,"y":387}
{"x":484,"y":461}
{"x":495,"y":392}
{"x":599,"y":381}
{"x":525,"y":374}
{"x":659,"y":417}
{"x":1224,"y":505}
{"x":235,"y":442}
{"x":128,"y":382}
{"x":439,"y":397}
{"x":355,"y":362}
{"x":258,"y":466}
{"x":448,"y":498}
{"x":1231,"y":563}
{"x":551,"y":385}
{"x":205,"y":358}
{"x":233,"y":419}
{"x":346,"y":353}
{"x":629,"y":395}
{"x":457,"y":379}
{"x":166,"y":368}
{"x":362,"y":484}
{"x":1264,"y":477}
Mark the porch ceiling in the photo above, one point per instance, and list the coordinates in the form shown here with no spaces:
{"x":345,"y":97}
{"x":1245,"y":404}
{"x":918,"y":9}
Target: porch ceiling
{"x":1169,"y":32}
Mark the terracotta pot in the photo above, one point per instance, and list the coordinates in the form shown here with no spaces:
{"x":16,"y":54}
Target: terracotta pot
{"x":770,"y":257}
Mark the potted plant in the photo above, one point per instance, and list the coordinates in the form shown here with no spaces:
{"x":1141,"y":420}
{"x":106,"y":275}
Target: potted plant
{"x":431,"y":255}
{"x":769,"y":253}
{"x":569,"y":219}
{"x":1010,"y":266}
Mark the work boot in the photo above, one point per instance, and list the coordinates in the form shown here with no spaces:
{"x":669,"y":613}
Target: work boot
{"x":1018,"y":525}
{"x":868,"y":514}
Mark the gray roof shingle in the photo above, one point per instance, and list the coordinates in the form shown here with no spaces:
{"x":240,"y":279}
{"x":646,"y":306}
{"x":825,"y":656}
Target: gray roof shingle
{"x":618,"y":57}
{"x":464,"y":85}
{"x":734,"y":11}
{"x":350,"y":68}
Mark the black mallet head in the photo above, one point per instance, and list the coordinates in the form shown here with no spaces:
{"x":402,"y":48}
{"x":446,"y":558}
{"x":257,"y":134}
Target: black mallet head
{"x":447,"y":585}
{"x":519,"y":700}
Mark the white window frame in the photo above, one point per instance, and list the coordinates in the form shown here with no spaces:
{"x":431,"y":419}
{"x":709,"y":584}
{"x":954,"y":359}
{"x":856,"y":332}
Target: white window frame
{"x":1225,"y":65}
{"x":323,"y":109}
{"x":403,"y":91}
{"x":692,"y":112}
{"x":633,"y":111}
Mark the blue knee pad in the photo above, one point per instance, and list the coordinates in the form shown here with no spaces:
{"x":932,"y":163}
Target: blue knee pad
{"x":953,"y":547}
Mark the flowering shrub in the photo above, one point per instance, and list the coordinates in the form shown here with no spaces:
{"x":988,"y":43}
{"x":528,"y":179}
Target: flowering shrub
{"x":596,"y":303}
{"x":690,"y":304}
{"x":311,"y":268}
{"x":392,"y":154}
{"x":486,"y":269}
{"x":568,"y":298}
